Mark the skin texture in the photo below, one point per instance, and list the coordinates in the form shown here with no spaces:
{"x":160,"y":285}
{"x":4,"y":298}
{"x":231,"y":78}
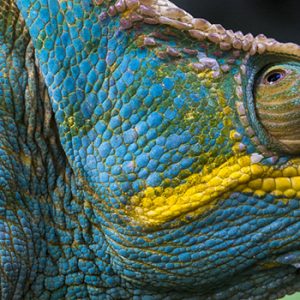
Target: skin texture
{"x":138,"y":159}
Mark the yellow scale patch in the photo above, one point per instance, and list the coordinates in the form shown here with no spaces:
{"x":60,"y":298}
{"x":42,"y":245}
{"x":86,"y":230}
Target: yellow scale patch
{"x":201,"y":192}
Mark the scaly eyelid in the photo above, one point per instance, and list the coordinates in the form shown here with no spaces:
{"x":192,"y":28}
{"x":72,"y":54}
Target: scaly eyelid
{"x":277,"y":106}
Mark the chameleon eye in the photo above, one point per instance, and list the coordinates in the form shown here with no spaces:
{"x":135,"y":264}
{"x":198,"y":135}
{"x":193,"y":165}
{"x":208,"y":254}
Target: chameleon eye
{"x":274,"y":76}
{"x":277,"y":104}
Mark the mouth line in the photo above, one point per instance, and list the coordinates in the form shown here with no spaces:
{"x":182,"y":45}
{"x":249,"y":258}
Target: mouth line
{"x":291,"y":258}
{"x":201,"y":192}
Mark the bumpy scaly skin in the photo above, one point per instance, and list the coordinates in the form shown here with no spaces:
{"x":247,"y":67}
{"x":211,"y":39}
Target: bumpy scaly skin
{"x":156,"y":180}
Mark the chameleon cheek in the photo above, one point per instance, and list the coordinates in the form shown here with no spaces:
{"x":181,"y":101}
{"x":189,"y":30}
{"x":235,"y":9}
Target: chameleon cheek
{"x":277,"y":104}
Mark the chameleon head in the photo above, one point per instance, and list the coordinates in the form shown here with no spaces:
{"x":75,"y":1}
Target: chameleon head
{"x":208,"y":185}
{"x":184,"y":139}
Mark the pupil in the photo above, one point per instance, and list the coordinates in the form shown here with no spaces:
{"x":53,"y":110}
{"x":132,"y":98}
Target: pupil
{"x":274,"y":77}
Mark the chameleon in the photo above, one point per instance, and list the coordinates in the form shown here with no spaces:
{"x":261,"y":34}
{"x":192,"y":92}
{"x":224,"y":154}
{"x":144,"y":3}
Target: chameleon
{"x":145,"y":154}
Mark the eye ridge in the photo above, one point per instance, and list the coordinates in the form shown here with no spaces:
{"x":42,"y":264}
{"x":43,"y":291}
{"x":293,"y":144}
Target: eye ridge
{"x":274,"y":76}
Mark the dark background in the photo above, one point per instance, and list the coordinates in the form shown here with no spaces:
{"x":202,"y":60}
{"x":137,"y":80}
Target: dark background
{"x":279,"y":19}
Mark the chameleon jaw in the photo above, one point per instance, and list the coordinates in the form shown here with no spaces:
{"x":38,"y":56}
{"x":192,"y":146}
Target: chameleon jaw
{"x":201,"y":192}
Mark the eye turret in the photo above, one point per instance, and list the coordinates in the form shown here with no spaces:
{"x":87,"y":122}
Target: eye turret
{"x":277,"y":103}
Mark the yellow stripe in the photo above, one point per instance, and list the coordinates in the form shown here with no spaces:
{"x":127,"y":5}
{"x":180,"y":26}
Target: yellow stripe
{"x":200,"y":192}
